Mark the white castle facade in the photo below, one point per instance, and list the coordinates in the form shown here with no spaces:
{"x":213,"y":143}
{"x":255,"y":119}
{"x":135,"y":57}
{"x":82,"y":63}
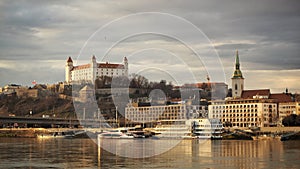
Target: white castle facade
{"x":94,"y":70}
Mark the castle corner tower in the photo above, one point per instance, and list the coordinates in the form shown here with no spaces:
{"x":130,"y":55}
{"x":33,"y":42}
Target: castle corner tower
{"x":237,"y":79}
{"x":125,"y":63}
{"x":68,"y":68}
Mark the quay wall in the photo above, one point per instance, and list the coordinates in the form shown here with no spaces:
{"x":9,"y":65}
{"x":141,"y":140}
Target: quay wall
{"x":269,"y":129}
{"x":33,"y":132}
{"x":29,"y":132}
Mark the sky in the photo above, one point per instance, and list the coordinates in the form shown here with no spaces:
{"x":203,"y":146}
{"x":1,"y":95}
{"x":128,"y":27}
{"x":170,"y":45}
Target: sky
{"x":180,"y":41}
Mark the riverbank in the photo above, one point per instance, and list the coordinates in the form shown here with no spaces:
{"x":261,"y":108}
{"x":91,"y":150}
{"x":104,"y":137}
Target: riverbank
{"x":30,"y":132}
{"x":232,"y":133}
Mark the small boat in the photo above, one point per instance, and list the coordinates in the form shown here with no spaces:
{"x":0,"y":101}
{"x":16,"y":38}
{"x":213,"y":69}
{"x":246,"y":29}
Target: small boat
{"x":291,"y":136}
{"x":117,"y":135}
{"x":52,"y":135}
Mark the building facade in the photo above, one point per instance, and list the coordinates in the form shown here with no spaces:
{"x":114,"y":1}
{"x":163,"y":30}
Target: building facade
{"x":286,"y":109}
{"x":216,"y":109}
{"x":298,"y":108}
{"x":152,"y":114}
{"x":245,"y":112}
{"x":94,"y":70}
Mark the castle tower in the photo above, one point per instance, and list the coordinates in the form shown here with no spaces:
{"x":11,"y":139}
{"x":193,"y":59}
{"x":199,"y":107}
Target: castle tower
{"x":68,"y":68}
{"x":125,"y":62}
{"x":237,"y":79}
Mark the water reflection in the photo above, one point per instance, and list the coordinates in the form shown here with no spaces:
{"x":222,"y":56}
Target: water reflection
{"x":215,"y":154}
{"x":84,"y":153}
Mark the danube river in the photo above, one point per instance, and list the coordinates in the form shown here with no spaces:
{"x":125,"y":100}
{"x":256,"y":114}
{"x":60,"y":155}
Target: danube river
{"x":84,"y":153}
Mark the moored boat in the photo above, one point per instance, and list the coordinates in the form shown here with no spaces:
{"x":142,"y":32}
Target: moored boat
{"x":52,"y":135}
{"x":120,"y":133}
{"x":204,"y":128}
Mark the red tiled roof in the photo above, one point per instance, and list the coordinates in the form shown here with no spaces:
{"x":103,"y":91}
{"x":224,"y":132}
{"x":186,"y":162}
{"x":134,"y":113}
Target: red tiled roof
{"x":281,"y":97}
{"x":248,"y":94}
{"x":82,"y":67}
{"x":110,"y":65}
{"x":100,"y":65}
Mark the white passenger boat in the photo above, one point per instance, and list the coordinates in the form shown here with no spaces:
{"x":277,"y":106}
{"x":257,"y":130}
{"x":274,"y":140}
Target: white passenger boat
{"x":171,"y":129}
{"x":201,"y":128}
{"x":205,"y":128}
{"x":119,"y":133}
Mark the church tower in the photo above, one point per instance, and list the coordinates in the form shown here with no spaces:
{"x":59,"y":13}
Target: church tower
{"x":237,"y":79}
{"x":68,"y":68}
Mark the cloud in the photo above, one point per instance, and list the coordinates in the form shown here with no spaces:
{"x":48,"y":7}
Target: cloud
{"x":43,"y":33}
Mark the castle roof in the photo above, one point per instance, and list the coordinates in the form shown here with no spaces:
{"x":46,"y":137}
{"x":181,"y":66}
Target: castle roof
{"x":81,"y":67}
{"x":110,"y":65}
{"x":69,"y":59}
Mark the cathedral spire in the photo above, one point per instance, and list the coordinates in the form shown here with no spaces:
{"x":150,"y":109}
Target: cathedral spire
{"x":237,"y":60}
{"x":237,"y":73}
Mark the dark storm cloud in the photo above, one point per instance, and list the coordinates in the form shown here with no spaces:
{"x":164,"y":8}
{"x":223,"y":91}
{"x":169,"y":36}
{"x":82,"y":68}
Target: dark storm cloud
{"x":266,"y":32}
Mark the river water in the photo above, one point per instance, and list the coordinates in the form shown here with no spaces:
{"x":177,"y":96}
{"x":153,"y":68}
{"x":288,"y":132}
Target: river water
{"x":84,"y":153}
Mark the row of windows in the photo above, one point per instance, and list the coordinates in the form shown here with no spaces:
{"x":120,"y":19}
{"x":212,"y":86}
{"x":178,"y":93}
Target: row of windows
{"x":240,"y":111}
{"x":235,"y":106}
{"x":243,"y":102}
{"x":239,"y":115}
{"x":110,"y":69}
{"x":155,"y":118}
{"x":107,"y":72}
{"x":112,"y":74}
{"x":80,"y":72}
{"x":241,"y":120}
{"x":243,"y":124}
{"x":152,"y":114}
{"x":287,"y":107}
{"x":209,"y":126}
{"x":155,"y":108}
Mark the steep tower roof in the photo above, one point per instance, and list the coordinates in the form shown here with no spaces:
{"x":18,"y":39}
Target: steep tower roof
{"x":237,"y":72}
{"x":70,"y":59}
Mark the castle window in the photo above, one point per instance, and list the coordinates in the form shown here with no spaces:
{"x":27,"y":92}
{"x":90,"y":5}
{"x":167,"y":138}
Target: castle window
{"x":235,"y":87}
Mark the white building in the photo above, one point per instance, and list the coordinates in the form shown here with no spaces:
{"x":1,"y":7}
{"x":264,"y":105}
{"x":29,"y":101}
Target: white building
{"x":152,"y":114}
{"x":94,"y":70}
{"x":254,"y":108}
{"x":215,"y":110}
{"x":286,"y":109}
{"x":250,"y":112}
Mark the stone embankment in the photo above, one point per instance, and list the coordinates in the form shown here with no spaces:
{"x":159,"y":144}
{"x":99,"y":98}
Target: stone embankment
{"x":29,"y":132}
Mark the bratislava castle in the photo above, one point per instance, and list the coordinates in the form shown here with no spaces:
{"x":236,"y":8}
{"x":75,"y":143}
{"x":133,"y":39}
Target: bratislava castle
{"x":94,"y":70}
